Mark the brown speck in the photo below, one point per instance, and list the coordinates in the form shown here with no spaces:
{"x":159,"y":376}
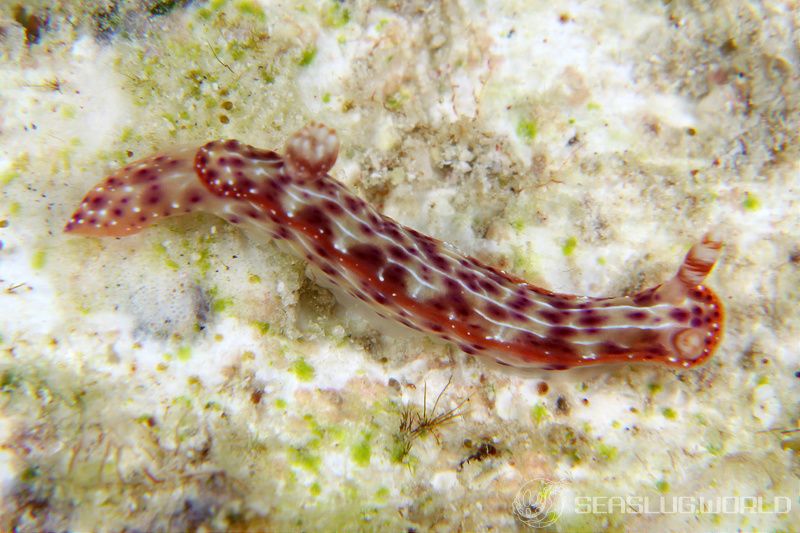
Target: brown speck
{"x":729,"y":46}
{"x":542,"y":387}
{"x":562,"y":406}
{"x":224,"y":119}
{"x":256,"y":396}
{"x":32,"y":24}
{"x":227,"y":105}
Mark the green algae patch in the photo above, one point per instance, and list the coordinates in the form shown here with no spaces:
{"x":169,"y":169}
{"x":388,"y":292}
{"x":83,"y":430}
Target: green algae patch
{"x":303,"y":458}
{"x":669,"y":413}
{"x":396,"y":100}
{"x":361,"y":452}
{"x":335,"y":15}
{"x":568,"y":248}
{"x":280,"y":403}
{"x":219,"y":305}
{"x":527,"y":129}
{"x":163,"y":253}
{"x":15,"y":170}
{"x":751,"y":202}
{"x":606,"y":452}
{"x":38,"y":259}
{"x":8,"y":176}
{"x":262,"y":327}
{"x":302,"y":370}
{"x":307,"y":56}
{"x":184,"y":353}
{"x":251,"y":8}
{"x":715,"y":449}
{"x":539,"y":414}
{"x":662,"y":486}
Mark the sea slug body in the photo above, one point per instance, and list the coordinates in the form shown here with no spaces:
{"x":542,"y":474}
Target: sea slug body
{"x":405,"y":275}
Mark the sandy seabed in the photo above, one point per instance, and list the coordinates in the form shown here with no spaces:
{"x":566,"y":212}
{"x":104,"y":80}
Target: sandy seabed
{"x":196,"y":377}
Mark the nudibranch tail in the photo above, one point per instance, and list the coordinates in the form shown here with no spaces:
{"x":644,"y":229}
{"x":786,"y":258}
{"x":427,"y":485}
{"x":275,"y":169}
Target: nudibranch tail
{"x":405,"y":275}
{"x":140,"y":194}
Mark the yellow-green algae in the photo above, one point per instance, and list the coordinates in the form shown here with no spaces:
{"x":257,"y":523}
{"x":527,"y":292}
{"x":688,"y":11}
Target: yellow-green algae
{"x":303,"y":370}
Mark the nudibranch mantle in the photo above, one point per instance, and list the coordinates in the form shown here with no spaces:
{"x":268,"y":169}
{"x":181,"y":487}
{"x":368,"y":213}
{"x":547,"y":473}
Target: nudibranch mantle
{"x":404,"y":275}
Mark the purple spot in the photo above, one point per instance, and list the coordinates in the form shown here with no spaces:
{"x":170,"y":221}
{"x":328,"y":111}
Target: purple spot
{"x":679,"y":315}
{"x":450,"y":284}
{"x":560,"y":331}
{"x":315,"y":219}
{"x":495,"y":311}
{"x":489,"y":286}
{"x":552,"y":316}
{"x":332,"y":207}
{"x":592,"y":319}
{"x":395,"y":276}
{"x":613,"y":348}
{"x":354,"y":205}
{"x":389,"y":228}
{"x":519,"y":303}
{"x":395,"y":252}
{"x":637,"y":315}
{"x":459,"y":305}
{"x":329,"y":270}
{"x":368,"y":255}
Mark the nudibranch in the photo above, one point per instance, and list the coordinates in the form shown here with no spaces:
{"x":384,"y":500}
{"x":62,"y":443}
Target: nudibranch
{"x":401,"y":273}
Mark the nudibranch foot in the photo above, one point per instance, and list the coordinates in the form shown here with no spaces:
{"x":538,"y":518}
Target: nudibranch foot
{"x":403,"y":274}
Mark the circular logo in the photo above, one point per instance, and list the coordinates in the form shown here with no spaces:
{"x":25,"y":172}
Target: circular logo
{"x":537,"y":503}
